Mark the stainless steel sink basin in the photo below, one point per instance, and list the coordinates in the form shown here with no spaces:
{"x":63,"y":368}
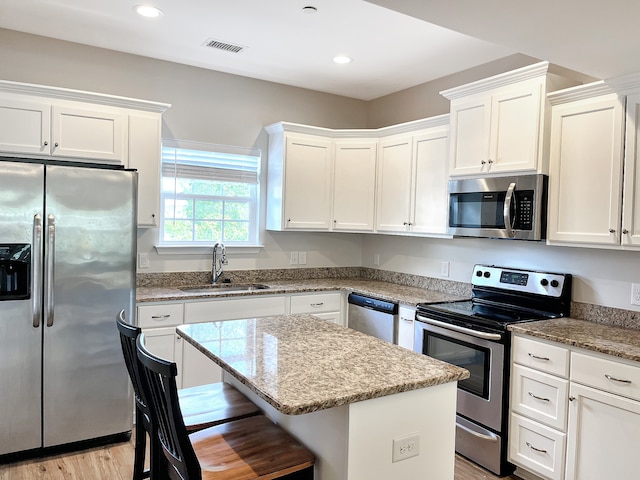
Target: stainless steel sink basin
{"x":225,"y":287}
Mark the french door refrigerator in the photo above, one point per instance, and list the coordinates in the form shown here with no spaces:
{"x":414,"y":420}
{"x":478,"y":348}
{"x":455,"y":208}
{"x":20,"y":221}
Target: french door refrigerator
{"x":67,"y":268}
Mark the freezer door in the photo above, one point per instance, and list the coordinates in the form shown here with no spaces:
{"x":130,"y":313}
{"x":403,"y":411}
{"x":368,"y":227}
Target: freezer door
{"x":21,"y":199}
{"x":90,"y":240}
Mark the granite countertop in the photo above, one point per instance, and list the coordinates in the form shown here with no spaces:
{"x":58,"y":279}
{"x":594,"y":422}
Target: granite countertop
{"x":384,"y":290}
{"x":301,"y":364}
{"x":611,"y":340}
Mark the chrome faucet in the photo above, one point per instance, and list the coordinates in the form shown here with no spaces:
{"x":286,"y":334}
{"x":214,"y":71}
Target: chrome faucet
{"x":216,"y":270}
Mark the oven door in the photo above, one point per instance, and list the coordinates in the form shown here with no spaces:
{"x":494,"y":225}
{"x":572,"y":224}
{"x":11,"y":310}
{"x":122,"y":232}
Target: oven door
{"x":479,"y":396}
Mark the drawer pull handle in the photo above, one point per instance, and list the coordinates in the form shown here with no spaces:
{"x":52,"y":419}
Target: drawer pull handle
{"x":614,"y":379}
{"x":160,"y":316}
{"x":536,"y":449}
{"x":317,"y":304}
{"x":538,"y":398}
{"x":546,"y":359}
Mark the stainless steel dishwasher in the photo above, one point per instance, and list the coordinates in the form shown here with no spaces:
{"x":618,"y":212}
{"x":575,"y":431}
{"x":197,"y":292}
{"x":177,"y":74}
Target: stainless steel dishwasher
{"x":375,"y":317}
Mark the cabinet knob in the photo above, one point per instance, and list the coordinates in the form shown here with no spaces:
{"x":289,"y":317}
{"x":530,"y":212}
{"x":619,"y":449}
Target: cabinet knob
{"x":612,"y":230}
{"x":46,"y":143}
{"x":490,"y":161}
{"x":571,"y":399}
{"x":625,"y":231}
{"x":55,"y":144}
{"x":482,"y":162}
{"x":405,"y":223}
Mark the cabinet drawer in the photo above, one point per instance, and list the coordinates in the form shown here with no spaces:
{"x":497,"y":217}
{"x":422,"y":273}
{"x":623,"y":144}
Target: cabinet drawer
{"x":233,"y":309}
{"x":162,"y":315}
{"x":322,"y":302}
{"x":541,"y":356}
{"x":537,"y":448}
{"x":540,"y":396}
{"x":608,"y":375}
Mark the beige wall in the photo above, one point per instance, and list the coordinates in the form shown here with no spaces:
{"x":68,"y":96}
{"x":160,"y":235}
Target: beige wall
{"x":423,"y":101}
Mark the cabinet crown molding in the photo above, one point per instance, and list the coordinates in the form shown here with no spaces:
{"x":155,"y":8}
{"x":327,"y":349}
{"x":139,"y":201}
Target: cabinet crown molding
{"x":501,"y":80}
{"x":374,"y":133}
{"x":82,"y":96}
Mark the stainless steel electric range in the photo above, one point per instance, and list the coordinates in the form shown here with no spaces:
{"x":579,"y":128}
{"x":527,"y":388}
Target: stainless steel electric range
{"x":473,"y":334}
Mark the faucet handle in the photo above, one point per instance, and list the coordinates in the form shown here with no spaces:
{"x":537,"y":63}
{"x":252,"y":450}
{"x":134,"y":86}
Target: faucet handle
{"x":224,"y":261}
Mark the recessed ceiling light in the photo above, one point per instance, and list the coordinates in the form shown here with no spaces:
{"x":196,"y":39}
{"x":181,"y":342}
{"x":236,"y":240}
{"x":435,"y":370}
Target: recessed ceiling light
{"x":148,"y":11}
{"x":342,"y":59}
{"x":309,"y":10}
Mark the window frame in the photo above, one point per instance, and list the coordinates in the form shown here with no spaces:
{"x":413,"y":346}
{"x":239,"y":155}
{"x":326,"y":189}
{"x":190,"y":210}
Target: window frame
{"x":239,"y":176}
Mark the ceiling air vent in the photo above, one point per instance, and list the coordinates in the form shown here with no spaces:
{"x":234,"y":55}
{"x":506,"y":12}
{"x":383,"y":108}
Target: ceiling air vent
{"x":227,"y":47}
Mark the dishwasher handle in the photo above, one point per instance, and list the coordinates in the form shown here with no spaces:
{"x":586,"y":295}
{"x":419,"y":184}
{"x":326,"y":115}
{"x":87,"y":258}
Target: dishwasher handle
{"x":373,"y":303}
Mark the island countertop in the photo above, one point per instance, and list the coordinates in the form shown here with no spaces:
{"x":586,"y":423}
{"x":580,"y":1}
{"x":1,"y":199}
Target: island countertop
{"x":301,"y":364}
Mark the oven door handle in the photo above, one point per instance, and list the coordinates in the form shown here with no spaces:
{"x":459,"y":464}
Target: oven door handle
{"x":456,"y":328}
{"x":491,"y":437}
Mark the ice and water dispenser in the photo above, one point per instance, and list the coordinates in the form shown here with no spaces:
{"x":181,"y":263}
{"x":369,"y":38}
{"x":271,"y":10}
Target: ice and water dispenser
{"x":15,"y":271}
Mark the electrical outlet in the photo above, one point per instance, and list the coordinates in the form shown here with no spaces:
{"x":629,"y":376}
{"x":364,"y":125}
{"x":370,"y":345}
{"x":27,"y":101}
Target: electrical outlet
{"x":293,"y":259}
{"x":444,"y":269}
{"x":406,"y":446}
{"x":143,"y":260}
{"x":302,"y":258}
{"x":635,"y":294}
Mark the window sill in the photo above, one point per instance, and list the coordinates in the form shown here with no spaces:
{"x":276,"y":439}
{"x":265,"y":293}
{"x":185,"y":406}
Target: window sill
{"x":206,"y":249}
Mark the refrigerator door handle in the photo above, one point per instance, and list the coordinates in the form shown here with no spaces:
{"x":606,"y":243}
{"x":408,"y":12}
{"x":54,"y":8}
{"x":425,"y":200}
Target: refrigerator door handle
{"x":51,"y":257}
{"x":36,"y":270}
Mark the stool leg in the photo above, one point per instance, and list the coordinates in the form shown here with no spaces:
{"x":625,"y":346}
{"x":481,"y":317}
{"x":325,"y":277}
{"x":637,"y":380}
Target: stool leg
{"x":140,"y":447}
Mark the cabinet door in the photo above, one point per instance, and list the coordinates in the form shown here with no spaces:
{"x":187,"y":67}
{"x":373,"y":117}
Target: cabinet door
{"x":585,"y":176}
{"x":603,"y":435}
{"x":165,"y":343}
{"x":93,"y":134}
{"x":515,"y":128}
{"x":144,"y":156}
{"x":430,"y":174}
{"x":631,"y":193}
{"x":197,"y":368}
{"x":307,"y":185}
{"x":354,"y":183}
{"x":25,"y":126}
{"x":393,"y":207}
{"x":407,"y":317}
{"x":470,"y":122}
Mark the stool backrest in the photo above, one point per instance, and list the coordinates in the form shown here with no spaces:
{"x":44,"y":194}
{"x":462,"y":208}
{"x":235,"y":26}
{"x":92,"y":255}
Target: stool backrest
{"x":162,"y":393}
{"x":128,"y":336}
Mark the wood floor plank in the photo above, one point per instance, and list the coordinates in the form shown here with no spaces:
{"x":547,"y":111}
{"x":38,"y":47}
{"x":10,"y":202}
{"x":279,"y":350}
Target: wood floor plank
{"x":115,"y":462}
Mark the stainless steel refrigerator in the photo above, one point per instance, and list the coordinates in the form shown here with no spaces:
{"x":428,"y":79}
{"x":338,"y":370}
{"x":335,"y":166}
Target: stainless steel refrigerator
{"x":67,"y":267}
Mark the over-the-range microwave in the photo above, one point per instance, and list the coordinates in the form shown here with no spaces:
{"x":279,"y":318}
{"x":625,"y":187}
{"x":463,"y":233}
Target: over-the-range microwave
{"x":513,"y":207}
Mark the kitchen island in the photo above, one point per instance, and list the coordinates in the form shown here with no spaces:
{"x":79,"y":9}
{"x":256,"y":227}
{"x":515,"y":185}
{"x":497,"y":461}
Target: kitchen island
{"x":347,"y":396}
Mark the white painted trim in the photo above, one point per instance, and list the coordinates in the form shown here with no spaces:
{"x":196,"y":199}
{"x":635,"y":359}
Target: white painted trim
{"x":81,"y":96}
{"x":206,"y":250}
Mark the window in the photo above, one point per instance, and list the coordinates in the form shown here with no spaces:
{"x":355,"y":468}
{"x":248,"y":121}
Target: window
{"x":209,"y":194}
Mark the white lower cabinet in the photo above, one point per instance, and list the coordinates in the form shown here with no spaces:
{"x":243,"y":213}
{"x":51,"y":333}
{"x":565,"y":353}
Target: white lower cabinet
{"x":328,"y":306}
{"x":575,"y":415}
{"x":158,"y":323}
{"x":406,"y":318}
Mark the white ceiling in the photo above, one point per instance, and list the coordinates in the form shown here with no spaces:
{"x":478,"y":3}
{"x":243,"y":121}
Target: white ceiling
{"x":391,"y":51}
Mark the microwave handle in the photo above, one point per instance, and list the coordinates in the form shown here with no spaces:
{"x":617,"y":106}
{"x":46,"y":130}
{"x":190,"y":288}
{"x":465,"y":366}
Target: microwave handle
{"x":508,"y":199}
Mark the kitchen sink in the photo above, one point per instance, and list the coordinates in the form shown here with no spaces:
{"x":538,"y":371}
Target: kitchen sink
{"x":225,"y":287}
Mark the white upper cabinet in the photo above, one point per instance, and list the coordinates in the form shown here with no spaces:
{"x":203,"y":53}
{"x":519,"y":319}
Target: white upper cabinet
{"x":585,"y":178}
{"x":69,"y":125}
{"x":393,"y":213}
{"x":299,"y":180}
{"x":631,"y":187}
{"x":354,"y":185}
{"x":412,"y":180}
{"x":498,"y":125}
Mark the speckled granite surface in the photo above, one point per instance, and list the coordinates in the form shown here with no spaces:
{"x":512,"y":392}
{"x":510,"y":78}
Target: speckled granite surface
{"x":597,"y":337}
{"x":301,"y":364}
{"x":384,"y":290}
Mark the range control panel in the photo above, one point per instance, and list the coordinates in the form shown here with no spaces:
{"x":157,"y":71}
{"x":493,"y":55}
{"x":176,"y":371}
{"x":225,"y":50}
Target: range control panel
{"x":539,"y":283}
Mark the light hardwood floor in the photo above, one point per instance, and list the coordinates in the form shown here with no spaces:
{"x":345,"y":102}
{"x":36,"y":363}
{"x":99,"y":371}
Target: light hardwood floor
{"x":115,"y":462}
